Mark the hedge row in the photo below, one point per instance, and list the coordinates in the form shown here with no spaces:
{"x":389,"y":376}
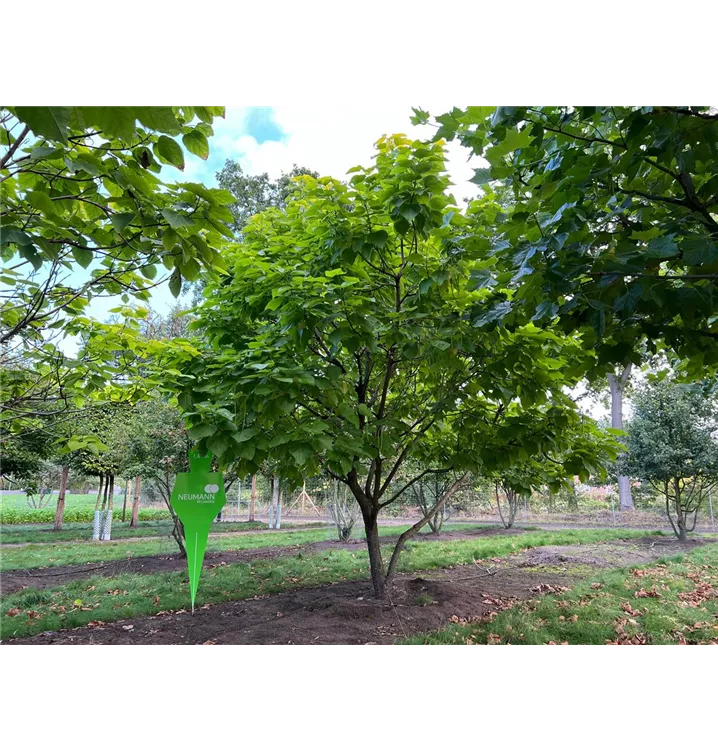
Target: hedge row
{"x":72,"y":515}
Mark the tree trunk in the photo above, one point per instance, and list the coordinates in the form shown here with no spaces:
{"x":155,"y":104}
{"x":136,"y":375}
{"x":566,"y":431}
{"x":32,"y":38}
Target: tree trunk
{"x":178,"y":534}
{"x":60,"y":511}
{"x":136,"y":502}
{"x":275,"y":502}
{"x":253,"y":498}
{"x":99,"y":493}
{"x":617,"y":385}
{"x":106,"y":513}
{"x":124,"y":502}
{"x":97,"y":519}
{"x":681,"y":516}
{"x":376,"y":564}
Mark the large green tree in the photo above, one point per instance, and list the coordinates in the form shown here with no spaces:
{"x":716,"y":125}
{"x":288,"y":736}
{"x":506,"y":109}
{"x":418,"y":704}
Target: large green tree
{"x":672,"y":442}
{"x":256,"y":193}
{"x":87,"y":211}
{"x":613,"y":224}
{"x":344,"y":340}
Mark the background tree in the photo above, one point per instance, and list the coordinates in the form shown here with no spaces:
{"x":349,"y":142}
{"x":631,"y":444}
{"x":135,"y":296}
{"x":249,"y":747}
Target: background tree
{"x":156,"y":448}
{"x":342,"y":509}
{"x":614,"y":226}
{"x":108,"y":424}
{"x":345,"y":339}
{"x":252,"y":194}
{"x":256,"y":193}
{"x":672,"y":443}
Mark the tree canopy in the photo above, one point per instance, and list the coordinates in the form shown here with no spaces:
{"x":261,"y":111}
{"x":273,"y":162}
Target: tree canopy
{"x":612,"y":229}
{"x":87,"y":212}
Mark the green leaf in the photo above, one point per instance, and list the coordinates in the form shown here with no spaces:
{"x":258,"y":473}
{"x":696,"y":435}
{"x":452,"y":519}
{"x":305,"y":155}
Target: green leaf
{"x":218,"y":445}
{"x":175,"y":219}
{"x":161,"y":119}
{"x":662,"y":247}
{"x":15,"y":236}
{"x":30,"y":254}
{"x":149,"y":272}
{"x":247,"y":434}
{"x":379,"y":238}
{"x":176,"y":283}
{"x":190,"y":269}
{"x":246,"y":451}
{"x":301,"y":453}
{"x":120,"y":221}
{"x":170,"y":151}
{"x":118,"y":122}
{"x":482,"y":175}
{"x":169,"y":239}
{"x":196,"y":143}
{"x":202,"y":430}
{"x":409,"y":211}
{"x":41,"y":201}
{"x":46,"y":122}
{"x":82,"y":255}
{"x":497,"y":312}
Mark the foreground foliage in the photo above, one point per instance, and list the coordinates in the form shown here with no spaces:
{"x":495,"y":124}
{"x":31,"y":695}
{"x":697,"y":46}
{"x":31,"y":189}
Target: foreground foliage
{"x":610,"y":224}
{"x":87,"y":212}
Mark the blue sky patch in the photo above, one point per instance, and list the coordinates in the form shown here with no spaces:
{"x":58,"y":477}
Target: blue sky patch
{"x":261,"y":125}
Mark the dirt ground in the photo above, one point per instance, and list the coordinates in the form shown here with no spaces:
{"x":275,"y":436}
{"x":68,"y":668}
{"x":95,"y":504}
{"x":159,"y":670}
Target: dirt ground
{"x":41,"y":578}
{"x":347,"y":613}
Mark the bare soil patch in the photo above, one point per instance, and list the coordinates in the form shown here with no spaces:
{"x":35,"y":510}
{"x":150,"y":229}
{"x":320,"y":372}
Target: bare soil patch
{"x":604,"y":554}
{"x":345,"y":613}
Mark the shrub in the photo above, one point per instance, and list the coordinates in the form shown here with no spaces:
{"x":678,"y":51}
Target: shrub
{"x":72,"y":515}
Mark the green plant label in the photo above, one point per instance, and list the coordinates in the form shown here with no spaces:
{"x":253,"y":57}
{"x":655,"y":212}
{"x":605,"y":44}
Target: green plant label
{"x":197,"y":498}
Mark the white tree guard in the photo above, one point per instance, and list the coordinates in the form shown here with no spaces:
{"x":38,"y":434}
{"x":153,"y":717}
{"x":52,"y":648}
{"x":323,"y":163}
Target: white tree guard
{"x":96,"y":525}
{"x":106,"y":531}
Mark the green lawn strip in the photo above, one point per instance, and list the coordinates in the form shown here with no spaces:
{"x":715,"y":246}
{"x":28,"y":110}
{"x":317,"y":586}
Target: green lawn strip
{"x":53,"y":555}
{"x":666,"y":602}
{"x":82,"y":532}
{"x":79,"y":602}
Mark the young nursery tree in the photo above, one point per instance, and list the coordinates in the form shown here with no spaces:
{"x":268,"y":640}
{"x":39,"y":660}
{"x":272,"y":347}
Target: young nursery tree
{"x":345,"y":340}
{"x":673,"y":444}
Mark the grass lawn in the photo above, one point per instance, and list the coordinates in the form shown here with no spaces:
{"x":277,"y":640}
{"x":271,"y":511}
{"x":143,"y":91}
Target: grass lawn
{"x":82,"y":601}
{"x":52,"y":555}
{"x":672,"y":601}
{"x":82,"y":532}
